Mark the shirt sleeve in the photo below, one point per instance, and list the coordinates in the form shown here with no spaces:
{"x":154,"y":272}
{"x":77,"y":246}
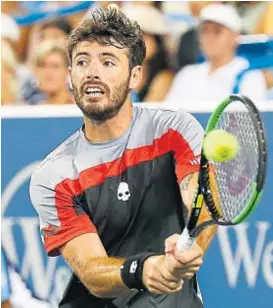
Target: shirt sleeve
{"x":62,"y":217}
{"x":186,"y":143}
{"x":253,"y":85}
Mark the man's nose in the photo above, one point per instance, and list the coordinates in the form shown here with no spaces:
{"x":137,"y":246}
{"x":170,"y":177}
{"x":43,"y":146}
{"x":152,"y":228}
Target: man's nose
{"x":93,"y":72}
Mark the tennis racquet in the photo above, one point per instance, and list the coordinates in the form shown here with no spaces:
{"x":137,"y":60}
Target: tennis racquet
{"x":233,"y":189}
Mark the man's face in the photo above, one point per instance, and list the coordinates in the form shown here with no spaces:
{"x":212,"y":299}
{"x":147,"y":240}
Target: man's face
{"x":216,"y":40}
{"x":100,"y":78}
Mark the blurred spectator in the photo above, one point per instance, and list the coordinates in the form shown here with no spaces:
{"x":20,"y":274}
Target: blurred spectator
{"x":8,"y":74}
{"x":157,"y":76}
{"x":15,"y":293}
{"x":10,"y":33}
{"x":50,"y":65}
{"x":189,"y":49}
{"x":55,"y":29}
{"x":52,"y":29}
{"x":214,"y":79}
{"x":9,"y":30}
{"x":256,"y":16}
{"x":5,"y":283}
{"x":265,"y":25}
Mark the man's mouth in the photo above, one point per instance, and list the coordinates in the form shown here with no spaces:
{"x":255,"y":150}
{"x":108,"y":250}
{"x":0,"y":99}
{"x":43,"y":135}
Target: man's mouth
{"x":93,"y":91}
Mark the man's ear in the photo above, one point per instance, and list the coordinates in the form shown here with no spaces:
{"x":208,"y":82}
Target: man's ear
{"x":136,"y":76}
{"x":69,"y":77}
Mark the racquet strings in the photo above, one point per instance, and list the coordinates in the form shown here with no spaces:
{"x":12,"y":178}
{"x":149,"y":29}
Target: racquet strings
{"x":232,"y":182}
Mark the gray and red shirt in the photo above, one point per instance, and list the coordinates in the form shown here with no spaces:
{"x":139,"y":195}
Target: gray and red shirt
{"x":125,"y":189}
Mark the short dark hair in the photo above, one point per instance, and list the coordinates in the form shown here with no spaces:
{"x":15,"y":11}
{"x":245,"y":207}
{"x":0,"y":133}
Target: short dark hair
{"x":110,"y":27}
{"x":59,"y":23}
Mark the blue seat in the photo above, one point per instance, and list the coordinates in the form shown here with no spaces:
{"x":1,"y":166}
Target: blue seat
{"x":260,"y":56}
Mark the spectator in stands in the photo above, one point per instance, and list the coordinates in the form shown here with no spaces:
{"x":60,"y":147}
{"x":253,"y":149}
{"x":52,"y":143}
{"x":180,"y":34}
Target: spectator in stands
{"x":157,"y":76}
{"x":52,"y":29}
{"x":10,"y":34}
{"x":55,"y":29}
{"x":8,"y":74}
{"x":51,"y":70}
{"x":214,"y":79}
{"x":265,"y":24}
{"x":257,"y":16}
{"x":15,"y":293}
{"x":9,"y":30}
{"x":189,"y":47}
{"x":5,"y":283}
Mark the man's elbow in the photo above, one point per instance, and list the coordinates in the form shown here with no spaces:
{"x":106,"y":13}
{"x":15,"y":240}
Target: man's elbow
{"x":97,"y":289}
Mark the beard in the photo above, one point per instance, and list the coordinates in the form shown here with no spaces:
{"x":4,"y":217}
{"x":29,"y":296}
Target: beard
{"x":100,"y":110}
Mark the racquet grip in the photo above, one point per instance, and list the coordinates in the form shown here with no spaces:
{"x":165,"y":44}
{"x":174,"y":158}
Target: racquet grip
{"x":185,"y":242}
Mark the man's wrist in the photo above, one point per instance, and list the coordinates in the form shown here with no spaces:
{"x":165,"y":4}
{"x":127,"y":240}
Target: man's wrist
{"x":132,"y":270}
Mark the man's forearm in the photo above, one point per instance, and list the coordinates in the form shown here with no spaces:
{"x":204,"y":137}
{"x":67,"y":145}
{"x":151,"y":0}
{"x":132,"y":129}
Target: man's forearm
{"x":101,"y":276}
{"x":188,"y":188}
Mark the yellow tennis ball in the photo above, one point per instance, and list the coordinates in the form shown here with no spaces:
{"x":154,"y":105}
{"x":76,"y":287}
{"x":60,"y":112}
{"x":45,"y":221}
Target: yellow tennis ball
{"x":220,"y":146}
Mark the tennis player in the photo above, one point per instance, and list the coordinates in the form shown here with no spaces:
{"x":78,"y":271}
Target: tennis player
{"x":110,"y":197}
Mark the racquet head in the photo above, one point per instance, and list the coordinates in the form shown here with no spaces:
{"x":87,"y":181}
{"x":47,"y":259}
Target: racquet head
{"x":234,"y":188}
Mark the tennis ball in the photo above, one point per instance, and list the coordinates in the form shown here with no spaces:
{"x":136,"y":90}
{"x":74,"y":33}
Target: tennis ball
{"x":220,"y":146}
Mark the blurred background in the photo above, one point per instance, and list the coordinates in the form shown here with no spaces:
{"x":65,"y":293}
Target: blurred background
{"x":198,"y":52}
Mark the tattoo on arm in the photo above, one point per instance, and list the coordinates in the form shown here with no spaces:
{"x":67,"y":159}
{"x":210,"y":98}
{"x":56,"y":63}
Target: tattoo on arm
{"x":184,"y":185}
{"x":187,"y":188}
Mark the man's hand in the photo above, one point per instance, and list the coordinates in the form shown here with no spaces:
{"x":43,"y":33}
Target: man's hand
{"x":158,"y":279}
{"x":182,"y":264}
{"x":165,"y":274}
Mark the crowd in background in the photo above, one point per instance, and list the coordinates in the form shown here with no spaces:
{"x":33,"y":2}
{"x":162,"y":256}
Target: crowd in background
{"x":187,"y":60}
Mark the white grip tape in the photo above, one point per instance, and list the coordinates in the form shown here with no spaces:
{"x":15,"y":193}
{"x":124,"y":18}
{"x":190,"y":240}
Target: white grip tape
{"x":185,"y":242}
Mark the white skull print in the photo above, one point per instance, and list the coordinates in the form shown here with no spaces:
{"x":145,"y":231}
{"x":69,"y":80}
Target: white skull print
{"x":123,"y":192}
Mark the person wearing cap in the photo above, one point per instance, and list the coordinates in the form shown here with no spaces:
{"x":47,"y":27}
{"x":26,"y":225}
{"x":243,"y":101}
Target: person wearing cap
{"x":214,"y":79}
{"x":190,"y":38}
{"x":157,"y":75}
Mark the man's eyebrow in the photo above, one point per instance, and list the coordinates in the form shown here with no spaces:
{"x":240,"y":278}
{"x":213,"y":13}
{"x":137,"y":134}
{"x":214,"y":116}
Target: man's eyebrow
{"x":81,"y":53}
{"x":109,"y":54}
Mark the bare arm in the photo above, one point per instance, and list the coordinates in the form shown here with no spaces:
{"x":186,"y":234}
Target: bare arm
{"x":88,"y":259}
{"x":101,"y":275}
{"x":187,"y":187}
{"x":6,"y":304}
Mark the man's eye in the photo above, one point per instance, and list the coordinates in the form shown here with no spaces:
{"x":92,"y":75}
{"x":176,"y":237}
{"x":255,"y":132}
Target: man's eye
{"x":81,"y":63}
{"x":108,"y":63}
